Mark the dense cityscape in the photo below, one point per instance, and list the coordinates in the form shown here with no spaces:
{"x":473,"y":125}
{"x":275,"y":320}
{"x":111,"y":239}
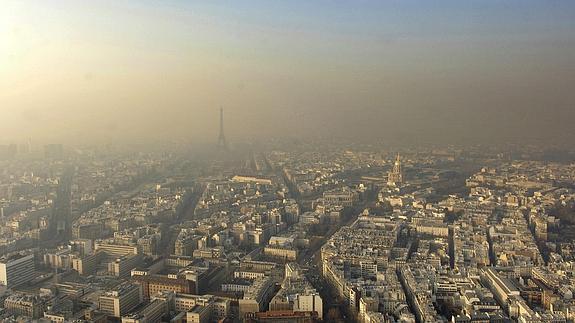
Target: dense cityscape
{"x":300,"y":235}
{"x":269,"y":161}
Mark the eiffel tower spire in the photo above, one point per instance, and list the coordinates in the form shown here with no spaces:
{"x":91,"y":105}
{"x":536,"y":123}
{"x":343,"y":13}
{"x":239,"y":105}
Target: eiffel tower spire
{"x":222,"y":144}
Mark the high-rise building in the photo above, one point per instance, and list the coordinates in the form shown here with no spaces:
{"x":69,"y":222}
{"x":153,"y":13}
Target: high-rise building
{"x":151,"y":284}
{"x":121,"y":300}
{"x":395,"y":176}
{"x":16,"y":270}
{"x":82,"y":246}
{"x":257,"y":297}
{"x":114,"y":251}
{"x":87,"y":264}
{"x":121,"y":267}
{"x":152,"y":312}
{"x":58,"y":259}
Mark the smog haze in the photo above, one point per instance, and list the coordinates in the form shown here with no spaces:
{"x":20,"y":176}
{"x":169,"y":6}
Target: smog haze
{"x":108,"y":71}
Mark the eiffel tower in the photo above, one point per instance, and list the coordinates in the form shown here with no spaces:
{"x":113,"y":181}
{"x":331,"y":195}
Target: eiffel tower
{"x":222,"y":144}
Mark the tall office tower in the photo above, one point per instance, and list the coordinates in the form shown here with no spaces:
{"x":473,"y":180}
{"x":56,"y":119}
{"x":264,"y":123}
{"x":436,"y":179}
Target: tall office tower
{"x":16,"y":270}
{"x":222,"y":144}
{"x":395,"y":176}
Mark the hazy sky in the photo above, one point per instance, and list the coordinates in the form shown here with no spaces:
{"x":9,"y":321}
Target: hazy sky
{"x":100,"y":71}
